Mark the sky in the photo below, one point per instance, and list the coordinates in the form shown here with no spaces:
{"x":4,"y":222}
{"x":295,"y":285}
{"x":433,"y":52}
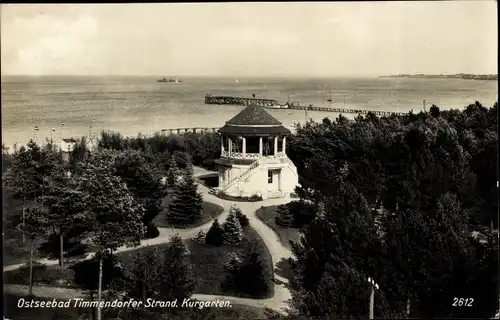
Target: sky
{"x":323,"y":39}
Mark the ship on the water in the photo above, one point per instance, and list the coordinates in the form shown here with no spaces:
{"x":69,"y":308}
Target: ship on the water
{"x":169,"y":80}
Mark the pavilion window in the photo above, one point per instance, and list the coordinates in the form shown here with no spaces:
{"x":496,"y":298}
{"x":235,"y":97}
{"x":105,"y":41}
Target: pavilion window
{"x":237,"y":144}
{"x":252,"y":144}
{"x":269,"y":176}
{"x":268,"y":146}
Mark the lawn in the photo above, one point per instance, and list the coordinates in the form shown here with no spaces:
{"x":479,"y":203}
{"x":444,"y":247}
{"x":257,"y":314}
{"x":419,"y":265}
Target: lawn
{"x":208,"y":267}
{"x":208,"y":263}
{"x":12,"y":311}
{"x":210,"y":211}
{"x":267,"y":215}
{"x":209,"y":258}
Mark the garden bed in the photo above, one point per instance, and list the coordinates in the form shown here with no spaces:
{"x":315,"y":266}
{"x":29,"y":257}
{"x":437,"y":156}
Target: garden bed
{"x":224,"y":196}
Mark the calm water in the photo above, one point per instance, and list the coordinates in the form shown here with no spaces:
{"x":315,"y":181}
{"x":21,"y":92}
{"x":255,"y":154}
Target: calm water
{"x":140,"y":104}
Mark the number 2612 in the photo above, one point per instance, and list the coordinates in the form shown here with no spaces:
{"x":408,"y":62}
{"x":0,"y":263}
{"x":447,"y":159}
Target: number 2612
{"x":463,"y":302}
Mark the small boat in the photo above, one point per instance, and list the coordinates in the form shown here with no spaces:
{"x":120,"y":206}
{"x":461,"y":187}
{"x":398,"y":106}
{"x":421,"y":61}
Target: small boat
{"x":168,"y":80}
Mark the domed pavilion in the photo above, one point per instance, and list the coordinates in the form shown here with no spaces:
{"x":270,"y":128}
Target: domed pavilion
{"x":253,"y":158}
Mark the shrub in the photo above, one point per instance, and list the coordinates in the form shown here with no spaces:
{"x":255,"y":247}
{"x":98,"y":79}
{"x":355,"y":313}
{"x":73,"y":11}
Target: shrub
{"x":215,"y":235}
{"x":253,"y":198}
{"x":303,"y":213}
{"x":200,"y":237}
{"x":284,"y":217}
{"x":151,"y":230}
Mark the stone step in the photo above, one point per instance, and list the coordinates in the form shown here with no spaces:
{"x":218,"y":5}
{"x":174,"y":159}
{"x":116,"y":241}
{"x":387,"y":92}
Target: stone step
{"x":274,"y":194}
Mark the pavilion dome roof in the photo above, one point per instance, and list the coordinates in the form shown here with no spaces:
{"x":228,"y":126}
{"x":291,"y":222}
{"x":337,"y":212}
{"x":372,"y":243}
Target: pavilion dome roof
{"x":253,"y":120}
{"x":254,"y":115}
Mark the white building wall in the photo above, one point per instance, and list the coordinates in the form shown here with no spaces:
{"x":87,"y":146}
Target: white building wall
{"x":284,"y":180}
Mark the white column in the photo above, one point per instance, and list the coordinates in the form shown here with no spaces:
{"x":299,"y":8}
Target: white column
{"x":230,"y":146}
{"x":284,"y":145}
{"x":222,"y":144}
{"x":244,"y":146}
{"x":260,"y":146}
{"x":275,"y":146}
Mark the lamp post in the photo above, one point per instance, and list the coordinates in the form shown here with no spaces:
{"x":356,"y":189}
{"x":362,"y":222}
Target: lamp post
{"x":35,"y":136}
{"x":374,"y":286}
{"x":60,"y":129}
{"x":51,"y":141}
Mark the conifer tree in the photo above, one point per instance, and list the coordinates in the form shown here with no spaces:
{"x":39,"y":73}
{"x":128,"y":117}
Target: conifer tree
{"x":200,"y":237}
{"x":144,"y":273}
{"x":215,"y":235}
{"x":251,"y":278}
{"x":172,"y":173}
{"x":244,"y":222}
{"x":187,"y":203}
{"x":233,"y":262}
{"x":232,"y":266}
{"x":233,"y":233}
{"x":284,"y":217}
{"x":176,"y":278}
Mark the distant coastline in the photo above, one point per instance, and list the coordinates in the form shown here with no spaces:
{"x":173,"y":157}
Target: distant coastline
{"x":464,"y":76}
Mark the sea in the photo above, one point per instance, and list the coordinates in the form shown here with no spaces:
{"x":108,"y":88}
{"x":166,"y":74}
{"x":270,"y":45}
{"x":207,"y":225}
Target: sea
{"x":74,"y":106}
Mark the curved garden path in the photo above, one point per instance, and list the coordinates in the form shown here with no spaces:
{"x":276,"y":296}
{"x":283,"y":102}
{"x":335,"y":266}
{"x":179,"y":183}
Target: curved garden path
{"x":270,"y":238}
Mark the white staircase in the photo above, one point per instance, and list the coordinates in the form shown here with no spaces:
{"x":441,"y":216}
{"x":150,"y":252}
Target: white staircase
{"x":285,"y":159}
{"x":254,"y":167}
{"x":249,"y":171}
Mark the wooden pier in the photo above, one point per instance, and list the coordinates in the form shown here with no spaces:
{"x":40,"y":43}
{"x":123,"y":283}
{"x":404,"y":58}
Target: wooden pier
{"x":268,"y":103}
{"x":185,"y":130}
{"x":238,"y":101}
{"x":343,"y":110}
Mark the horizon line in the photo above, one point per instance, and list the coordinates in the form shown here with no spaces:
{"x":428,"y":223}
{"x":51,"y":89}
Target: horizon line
{"x":240,"y":77}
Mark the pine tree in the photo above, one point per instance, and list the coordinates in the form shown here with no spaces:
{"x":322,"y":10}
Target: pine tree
{"x":233,"y":233}
{"x":187,"y":203}
{"x":232,"y":266}
{"x":251,"y":278}
{"x":176,"y":278}
{"x":144,"y":273}
{"x":172,"y":173}
{"x":215,"y":235}
{"x":284,"y":217}
{"x":244,"y":222}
